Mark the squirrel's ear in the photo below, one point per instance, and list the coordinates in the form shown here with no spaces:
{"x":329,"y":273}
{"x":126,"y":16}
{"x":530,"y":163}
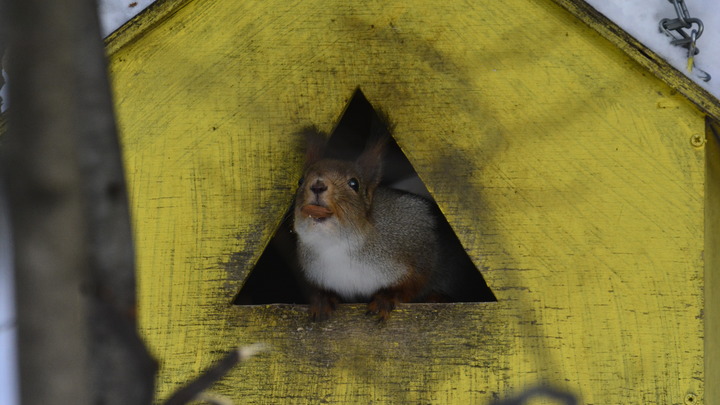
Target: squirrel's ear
{"x":315,"y":145}
{"x":370,"y":162}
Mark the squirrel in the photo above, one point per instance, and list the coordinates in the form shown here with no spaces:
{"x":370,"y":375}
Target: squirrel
{"x":358,"y":241}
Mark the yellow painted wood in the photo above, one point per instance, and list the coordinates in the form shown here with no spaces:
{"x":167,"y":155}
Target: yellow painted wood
{"x":712,"y":262}
{"x":643,"y":55}
{"x":565,"y":168}
{"x":154,"y":14}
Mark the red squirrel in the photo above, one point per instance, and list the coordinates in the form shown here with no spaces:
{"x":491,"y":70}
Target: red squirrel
{"x":360,"y":242}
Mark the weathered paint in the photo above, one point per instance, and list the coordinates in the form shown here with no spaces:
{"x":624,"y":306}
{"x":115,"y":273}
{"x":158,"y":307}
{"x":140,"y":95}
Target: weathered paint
{"x":565,"y":168}
{"x":712,"y":262}
{"x":643,"y":55}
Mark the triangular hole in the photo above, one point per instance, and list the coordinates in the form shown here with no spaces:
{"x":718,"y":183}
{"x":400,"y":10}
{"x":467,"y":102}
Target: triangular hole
{"x":276,"y":276}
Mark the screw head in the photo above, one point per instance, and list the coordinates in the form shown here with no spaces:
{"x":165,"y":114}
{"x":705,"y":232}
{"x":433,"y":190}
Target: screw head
{"x":691,"y":399}
{"x":697,"y":140}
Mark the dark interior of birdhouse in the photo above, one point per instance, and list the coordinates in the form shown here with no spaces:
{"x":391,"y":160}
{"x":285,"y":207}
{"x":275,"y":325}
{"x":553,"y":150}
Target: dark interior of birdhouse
{"x":276,"y":277}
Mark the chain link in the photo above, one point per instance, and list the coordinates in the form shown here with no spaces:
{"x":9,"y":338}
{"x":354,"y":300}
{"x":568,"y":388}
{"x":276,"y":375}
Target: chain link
{"x":675,"y":28}
{"x":680,"y":24}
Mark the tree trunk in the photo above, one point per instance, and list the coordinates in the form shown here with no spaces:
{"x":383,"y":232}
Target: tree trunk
{"x":73,"y":247}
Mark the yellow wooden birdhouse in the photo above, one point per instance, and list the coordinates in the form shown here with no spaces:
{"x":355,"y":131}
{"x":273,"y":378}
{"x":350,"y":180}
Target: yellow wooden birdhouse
{"x":584,"y":188}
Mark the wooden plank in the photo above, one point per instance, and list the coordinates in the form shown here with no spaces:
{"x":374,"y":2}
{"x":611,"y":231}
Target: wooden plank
{"x":566,"y":171}
{"x":134,"y":29}
{"x":712,"y":262}
{"x":643,"y":55}
{"x":354,"y":357}
{"x":580,"y":9}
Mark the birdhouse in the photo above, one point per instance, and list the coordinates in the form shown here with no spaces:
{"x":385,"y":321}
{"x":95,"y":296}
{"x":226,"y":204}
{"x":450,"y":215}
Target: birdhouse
{"x":578,"y":171}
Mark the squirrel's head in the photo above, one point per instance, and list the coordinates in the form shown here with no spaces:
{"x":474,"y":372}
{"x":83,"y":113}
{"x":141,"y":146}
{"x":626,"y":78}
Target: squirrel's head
{"x":337,"y":194}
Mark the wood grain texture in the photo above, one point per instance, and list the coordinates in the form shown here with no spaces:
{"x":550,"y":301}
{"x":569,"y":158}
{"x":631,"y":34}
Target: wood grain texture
{"x":643,"y":55}
{"x":155,"y":13}
{"x":712,"y":262}
{"x":564,"y":167}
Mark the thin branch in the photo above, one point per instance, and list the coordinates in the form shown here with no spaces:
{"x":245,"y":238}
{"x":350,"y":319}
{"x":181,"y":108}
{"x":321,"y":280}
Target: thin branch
{"x":195,"y":387}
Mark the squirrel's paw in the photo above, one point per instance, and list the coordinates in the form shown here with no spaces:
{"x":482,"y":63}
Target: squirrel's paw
{"x":322,"y":306}
{"x":381,"y":305}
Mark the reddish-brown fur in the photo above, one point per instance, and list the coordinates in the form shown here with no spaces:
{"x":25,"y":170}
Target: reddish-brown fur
{"x":385,"y":300}
{"x":325,"y":195}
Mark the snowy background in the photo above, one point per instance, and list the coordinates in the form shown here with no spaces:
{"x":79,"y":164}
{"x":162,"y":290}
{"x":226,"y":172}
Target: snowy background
{"x":114,"y":13}
{"x":640,"y":18}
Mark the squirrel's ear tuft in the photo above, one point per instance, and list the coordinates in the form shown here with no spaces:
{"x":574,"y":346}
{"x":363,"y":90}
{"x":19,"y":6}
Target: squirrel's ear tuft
{"x":315,"y":145}
{"x":370,"y":162}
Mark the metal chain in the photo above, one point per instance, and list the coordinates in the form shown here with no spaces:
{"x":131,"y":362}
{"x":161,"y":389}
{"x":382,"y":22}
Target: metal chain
{"x":680,"y":24}
{"x":682,"y":38}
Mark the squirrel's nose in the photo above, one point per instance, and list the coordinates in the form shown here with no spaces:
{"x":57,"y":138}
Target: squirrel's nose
{"x":318,"y":187}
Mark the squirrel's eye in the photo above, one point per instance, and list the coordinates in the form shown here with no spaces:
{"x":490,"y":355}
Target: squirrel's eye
{"x":354,"y":184}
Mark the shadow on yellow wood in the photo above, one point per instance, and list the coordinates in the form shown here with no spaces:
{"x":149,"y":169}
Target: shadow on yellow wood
{"x":566,"y":170}
{"x":711,"y":142}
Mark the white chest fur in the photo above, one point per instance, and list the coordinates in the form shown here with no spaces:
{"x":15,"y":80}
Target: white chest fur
{"x":337,"y":265}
